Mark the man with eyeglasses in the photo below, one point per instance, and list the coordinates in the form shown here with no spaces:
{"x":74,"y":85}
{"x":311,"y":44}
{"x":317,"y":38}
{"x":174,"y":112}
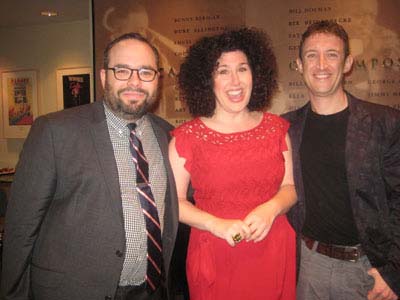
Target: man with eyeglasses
{"x":93,"y":207}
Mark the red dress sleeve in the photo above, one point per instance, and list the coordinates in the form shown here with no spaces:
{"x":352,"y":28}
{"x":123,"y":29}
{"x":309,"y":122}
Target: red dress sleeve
{"x":184,"y":144}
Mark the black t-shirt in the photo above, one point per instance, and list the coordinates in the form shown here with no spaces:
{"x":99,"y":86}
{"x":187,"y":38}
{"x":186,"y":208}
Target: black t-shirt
{"x":329,"y":215}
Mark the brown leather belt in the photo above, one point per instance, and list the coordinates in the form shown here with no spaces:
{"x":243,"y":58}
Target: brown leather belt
{"x":348,"y":253}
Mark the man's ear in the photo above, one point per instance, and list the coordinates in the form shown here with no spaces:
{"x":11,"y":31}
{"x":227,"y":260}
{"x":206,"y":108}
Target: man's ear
{"x":103,"y":78}
{"x":299,"y":65}
{"x":348,"y":63}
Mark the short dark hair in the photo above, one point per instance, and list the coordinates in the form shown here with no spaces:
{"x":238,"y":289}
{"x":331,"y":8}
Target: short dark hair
{"x":128,"y":36}
{"x":326,"y":26}
{"x":196,"y":72}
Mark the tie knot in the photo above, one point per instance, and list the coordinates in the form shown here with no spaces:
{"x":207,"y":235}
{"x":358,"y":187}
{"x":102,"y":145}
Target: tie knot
{"x":132,"y":126}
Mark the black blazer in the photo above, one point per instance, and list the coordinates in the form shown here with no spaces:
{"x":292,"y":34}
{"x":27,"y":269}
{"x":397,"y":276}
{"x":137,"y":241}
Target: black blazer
{"x":373,"y":172}
{"x":64,"y":232}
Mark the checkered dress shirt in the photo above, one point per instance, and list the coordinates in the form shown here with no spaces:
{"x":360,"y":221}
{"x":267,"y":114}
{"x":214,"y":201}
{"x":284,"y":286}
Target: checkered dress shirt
{"x":135,"y":263}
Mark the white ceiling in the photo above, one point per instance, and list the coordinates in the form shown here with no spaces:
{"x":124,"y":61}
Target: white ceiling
{"x":15,"y":13}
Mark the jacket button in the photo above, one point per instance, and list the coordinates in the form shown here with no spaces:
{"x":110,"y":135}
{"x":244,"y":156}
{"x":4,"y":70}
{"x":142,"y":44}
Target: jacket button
{"x":119,"y":253}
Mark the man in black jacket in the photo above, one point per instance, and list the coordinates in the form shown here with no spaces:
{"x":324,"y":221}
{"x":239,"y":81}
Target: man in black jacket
{"x":346,"y":159}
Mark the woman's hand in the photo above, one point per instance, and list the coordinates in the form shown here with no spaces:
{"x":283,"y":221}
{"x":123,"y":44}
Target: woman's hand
{"x":260,"y":220}
{"x":231,"y":230}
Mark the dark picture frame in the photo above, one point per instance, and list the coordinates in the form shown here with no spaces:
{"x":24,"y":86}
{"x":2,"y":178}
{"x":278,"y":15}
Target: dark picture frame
{"x":74,"y":87}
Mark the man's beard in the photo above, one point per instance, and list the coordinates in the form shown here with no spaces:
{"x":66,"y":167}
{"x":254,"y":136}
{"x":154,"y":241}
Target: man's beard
{"x":128,"y":112}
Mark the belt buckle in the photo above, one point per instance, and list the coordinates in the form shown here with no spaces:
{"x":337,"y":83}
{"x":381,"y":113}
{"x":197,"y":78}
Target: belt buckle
{"x":357,"y":253}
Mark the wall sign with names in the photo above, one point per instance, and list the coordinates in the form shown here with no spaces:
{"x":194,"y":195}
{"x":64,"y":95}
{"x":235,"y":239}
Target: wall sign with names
{"x":173,"y":25}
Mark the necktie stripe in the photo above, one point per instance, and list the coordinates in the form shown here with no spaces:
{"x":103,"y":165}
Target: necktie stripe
{"x":154,"y":264}
{"x":142,"y":175}
{"x":150,"y":200}
{"x":149,"y":209}
{"x":151,"y":218}
{"x":139,"y":152}
{"x":154,"y":241}
{"x":153,"y":287}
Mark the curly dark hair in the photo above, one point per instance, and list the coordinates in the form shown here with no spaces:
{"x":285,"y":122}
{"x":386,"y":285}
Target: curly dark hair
{"x":196,"y":73}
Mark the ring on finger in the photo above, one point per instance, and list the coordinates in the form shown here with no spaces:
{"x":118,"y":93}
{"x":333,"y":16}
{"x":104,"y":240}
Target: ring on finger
{"x":237,"y":238}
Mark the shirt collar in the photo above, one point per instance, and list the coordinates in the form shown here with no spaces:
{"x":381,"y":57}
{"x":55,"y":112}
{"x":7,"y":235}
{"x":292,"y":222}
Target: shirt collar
{"x":119,"y":124}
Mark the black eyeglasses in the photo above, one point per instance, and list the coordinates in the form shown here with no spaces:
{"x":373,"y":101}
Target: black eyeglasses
{"x":124,"y":74}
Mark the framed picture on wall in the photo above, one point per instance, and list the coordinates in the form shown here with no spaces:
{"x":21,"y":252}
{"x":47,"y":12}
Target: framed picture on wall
{"x":20,"y":103}
{"x":74,"y":87}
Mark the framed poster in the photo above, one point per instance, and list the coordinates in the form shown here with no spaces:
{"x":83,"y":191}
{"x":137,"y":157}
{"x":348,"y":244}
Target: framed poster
{"x":74,"y":87}
{"x":20,"y":103}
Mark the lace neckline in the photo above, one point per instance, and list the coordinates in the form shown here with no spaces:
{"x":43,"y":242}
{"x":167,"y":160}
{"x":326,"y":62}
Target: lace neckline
{"x":202,"y":124}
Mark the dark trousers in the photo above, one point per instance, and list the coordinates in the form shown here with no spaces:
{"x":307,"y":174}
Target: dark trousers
{"x":139,"y":293}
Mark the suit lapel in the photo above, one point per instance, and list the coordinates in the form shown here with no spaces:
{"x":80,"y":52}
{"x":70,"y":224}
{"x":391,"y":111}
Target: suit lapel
{"x":106,"y":159}
{"x":358,"y":135}
{"x":296,"y":129}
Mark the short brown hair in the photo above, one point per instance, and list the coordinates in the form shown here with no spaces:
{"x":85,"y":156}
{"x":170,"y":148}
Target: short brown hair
{"x":128,"y":36}
{"x":326,"y":26}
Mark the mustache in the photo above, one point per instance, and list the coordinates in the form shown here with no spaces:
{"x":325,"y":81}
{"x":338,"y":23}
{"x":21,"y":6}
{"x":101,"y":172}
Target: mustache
{"x":129,"y":89}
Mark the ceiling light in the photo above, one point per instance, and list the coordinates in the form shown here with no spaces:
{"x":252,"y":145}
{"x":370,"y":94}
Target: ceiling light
{"x":49,"y":13}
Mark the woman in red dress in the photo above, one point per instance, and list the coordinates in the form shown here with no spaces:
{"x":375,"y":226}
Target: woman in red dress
{"x":238,"y":161}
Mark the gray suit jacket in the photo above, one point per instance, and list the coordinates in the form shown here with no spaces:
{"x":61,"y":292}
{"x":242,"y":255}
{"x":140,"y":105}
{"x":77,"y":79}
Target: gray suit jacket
{"x":64,"y":232}
{"x":373,"y":172}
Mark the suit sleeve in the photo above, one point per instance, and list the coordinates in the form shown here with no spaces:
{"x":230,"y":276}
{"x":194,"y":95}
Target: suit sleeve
{"x":31,"y":194}
{"x":391,"y":174}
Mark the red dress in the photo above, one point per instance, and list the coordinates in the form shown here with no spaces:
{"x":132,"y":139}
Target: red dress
{"x":232,"y":174}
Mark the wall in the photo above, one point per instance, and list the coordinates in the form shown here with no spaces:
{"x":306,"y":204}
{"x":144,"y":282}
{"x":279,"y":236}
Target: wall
{"x":173,"y":25}
{"x":44,"y":48}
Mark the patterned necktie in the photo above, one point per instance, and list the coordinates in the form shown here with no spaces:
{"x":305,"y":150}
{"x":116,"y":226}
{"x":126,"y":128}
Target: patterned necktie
{"x":149,"y":208}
